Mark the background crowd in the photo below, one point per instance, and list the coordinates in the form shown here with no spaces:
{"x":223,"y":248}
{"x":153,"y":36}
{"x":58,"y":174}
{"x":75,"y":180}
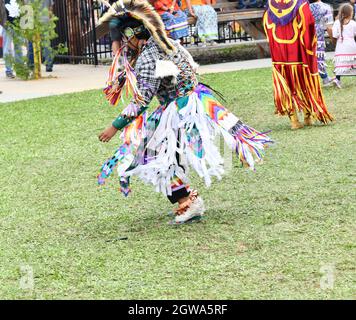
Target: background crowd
{"x":178,"y":14}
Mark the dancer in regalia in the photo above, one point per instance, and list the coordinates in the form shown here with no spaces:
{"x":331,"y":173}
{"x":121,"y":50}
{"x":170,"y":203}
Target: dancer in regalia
{"x":179,"y":134}
{"x":324,"y":19}
{"x":290,"y":29}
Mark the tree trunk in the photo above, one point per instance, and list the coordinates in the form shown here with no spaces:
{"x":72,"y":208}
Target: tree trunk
{"x":37,"y":59}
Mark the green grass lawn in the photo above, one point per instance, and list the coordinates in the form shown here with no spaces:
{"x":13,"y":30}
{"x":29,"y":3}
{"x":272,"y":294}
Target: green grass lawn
{"x":269,"y":234}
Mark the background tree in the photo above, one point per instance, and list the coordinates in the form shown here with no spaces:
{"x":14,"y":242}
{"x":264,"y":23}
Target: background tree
{"x":37,"y":25}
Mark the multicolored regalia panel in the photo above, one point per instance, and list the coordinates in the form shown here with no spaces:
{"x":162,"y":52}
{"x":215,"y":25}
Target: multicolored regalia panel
{"x":290,"y":30}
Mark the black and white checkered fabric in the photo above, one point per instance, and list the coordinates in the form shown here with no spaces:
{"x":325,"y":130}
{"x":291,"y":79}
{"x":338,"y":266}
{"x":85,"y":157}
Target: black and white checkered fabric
{"x":167,"y":88}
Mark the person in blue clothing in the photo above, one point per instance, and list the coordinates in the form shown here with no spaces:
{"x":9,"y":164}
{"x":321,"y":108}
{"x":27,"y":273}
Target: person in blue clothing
{"x":323,"y":15}
{"x":9,"y":12}
{"x":47,"y":4}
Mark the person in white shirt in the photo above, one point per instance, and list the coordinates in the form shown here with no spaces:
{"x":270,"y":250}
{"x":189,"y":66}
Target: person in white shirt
{"x":344,"y":31}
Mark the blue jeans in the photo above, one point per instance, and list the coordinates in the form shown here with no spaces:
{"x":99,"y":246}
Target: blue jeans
{"x":46,"y":56}
{"x":8,"y":50}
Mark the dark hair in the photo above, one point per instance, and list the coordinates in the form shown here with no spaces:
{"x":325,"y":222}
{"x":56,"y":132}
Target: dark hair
{"x":346,"y":11}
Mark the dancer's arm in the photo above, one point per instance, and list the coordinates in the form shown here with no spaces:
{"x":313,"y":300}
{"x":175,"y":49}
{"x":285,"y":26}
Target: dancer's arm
{"x":118,"y":124}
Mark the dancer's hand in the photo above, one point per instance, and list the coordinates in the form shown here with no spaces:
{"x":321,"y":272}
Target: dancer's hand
{"x":107,"y":134}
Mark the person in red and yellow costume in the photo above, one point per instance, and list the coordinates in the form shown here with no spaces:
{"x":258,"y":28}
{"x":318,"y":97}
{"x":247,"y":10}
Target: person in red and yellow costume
{"x":290,"y":30}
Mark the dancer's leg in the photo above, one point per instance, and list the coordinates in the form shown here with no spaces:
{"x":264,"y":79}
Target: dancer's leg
{"x":8,"y":51}
{"x":307,"y":118}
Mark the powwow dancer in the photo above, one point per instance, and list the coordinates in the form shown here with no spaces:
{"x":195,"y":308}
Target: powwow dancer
{"x":160,"y":148}
{"x":289,"y":26}
{"x":324,"y":19}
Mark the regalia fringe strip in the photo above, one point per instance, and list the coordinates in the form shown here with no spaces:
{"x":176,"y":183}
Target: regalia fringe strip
{"x":132,"y":137}
{"x":302,"y":94}
{"x":195,"y":126}
{"x":122,"y":83}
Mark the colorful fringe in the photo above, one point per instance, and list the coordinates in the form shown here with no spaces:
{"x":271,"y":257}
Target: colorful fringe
{"x":187,"y":126}
{"x":249,"y":143}
{"x":122,"y":157}
{"x":126,"y":154}
{"x":296,"y":89}
{"x":122,"y":82}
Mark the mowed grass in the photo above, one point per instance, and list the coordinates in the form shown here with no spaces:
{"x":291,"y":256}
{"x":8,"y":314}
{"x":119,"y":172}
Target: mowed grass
{"x":286,"y":231}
